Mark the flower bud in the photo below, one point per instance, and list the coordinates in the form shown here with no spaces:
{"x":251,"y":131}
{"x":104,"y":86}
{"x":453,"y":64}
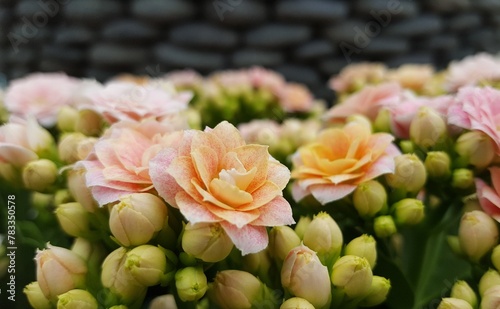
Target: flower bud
{"x":91,"y":252}
{"x":35,"y":296}
{"x":353,"y":275}
{"x":296,"y":303}
{"x":62,"y":196}
{"x":66,"y":119}
{"x":462,"y":178}
{"x":147,"y":264}
{"x":136,"y":218}
{"x":69,"y":267}
{"x":384,"y":226}
{"x":163,"y":302}
{"x":235,"y":289}
{"x":282,"y":239}
{"x":407,"y":146}
{"x":382,"y":122}
{"x":191,"y":283}
{"x":363,"y":246}
{"x":409,"y":211}
{"x":478,"y":234}
{"x":378,"y":292}
{"x":409,"y":175}
{"x":89,"y":123}
{"x":369,"y":198}
{"x":462,"y":290}
{"x":206,"y":241}
{"x":304,"y":276}
{"x":68,"y":147}
{"x":301,"y":227}
{"x":454,"y":244}
{"x":39,"y":139}
{"x":258,"y":264}
{"x":73,"y":219}
{"x":495,"y":257}
{"x":324,"y":236}
{"x":437,"y":164}
{"x":476,"y":147}
{"x":491,"y":298}
{"x":78,"y":188}
{"x":489,"y":279}
{"x":39,"y":175}
{"x":427,"y":128}
{"x":454,"y":303}
{"x":76,"y":299}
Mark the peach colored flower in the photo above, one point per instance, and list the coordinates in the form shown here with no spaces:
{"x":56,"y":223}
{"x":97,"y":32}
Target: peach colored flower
{"x":119,"y":162}
{"x":476,"y":108}
{"x":214,"y":176}
{"x":412,"y":76}
{"x":40,"y":95}
{"x":358,"y":75}
{"x":471,"y":71}
{"x":489,"y":197}
{"x":295,"y":97}
{"x":341,"y":159}
{"x":184,"y":79}
{"x":367,"y":102}
{"x":267,"y":79}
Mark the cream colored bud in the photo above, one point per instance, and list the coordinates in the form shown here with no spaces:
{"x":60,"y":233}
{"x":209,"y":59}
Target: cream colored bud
{"x":363,"y":120}
{"x":491,"y":298}
{"x":462,"y":290}
{"x":258,"y":263}
{"x":191,"y":283}
{"x":384,"y":226}
{"x":324,"y":236}
{"x":363,"y":246}
{"x":85,"y":147}
{"x":35,"y":296}
{"x":77,"y":299}
{"x":409,"y":211}
{"x":427,"y":128}
{"x":410,"y":173}
{"x":78,"y":188}
{"x":68,"y":147}
{"x":206,"y":241}
{"x":489,"y":279}
{"x":91,"y":252}
{"x":148,"y":214}
{"x":353,"y":275}
{"x":462,"y":178}
{"x":296,"y":303}
{"x":282,"y":239}
{"x":73,"y":219}
{"x":369,"y":198}
{"x":304,"y":276}
{"x":235,"y":289}
{"x":163,"y":302}
{"x":478,"y":234}
{"x":147,"y":264}
{"x":301,"y":227}
{"x":378,"y":292}
{"x":70,"y":268}
{"x":39,"y":175}
{"x":89,"y":123}
{"x":454,"y":303}
{"x":62,"y":196}
{"x":495,"y":257}
{"x":66,"y":119}
{"x":437,"y":164}
{"x":477,"y":147}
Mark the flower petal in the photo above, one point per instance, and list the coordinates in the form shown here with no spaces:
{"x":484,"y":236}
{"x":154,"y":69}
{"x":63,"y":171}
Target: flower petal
{"x":249,"y":239}
{"x":278,"y":173}
{"x":254,"y":156}
{"x":193,"y":211}
{"x":298,"y":193}
{"x":164,"y":183}
{"x":329,"y":193}
{"x":275,"y":213}
{"x":236,"y":217}
{"x":228,"y":135}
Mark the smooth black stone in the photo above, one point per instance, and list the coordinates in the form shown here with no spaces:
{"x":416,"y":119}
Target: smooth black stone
{"x":332,"y":66}
{"x":441,"y":42}
{"x":7,"y":3}
{"x":249,"y":57}
{"x":74,"y":35}
{"x":179,"y":57}
{"x":460,"y":53}
{"x":99,"y":74}
{"x":495,"y":19}
{"x":422,"y":25}
{"x":449,"y":6}
{"x":63,"y":54}
{"x":164,"y":11}
{"x":22,"y":56}
{"x":385,"y":46}
{"x":278,"y":35}
{"x":321,"y":91}
{"x":345,"y":31}
{"x":26,"y":34}
{"x":464,"y":22}
{"x":484,"y":39}
{"x":93,"y":11}
{"x":242,"y":14}
{"x":19,"y":72}
{"x":203,"y":35}
{"x":105,"y":54}
{"x":314,"y":49}
{"x":47,"y":65}
{"x":386,"y":10}
{"x":413,"y":58}
{"x":299,"y":74}
{"x":487,"y":5}
{"x":129,"y":30}
{"x":316,"y":11}
{"x":5,"y":16}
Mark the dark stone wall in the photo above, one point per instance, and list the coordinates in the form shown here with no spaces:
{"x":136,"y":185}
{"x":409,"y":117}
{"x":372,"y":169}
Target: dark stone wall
{"x":306,"y":40}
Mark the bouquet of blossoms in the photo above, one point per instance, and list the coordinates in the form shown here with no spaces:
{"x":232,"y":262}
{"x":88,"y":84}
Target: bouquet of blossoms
{"x":240,"y":190}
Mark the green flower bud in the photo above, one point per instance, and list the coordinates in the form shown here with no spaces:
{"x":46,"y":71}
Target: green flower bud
{"x":462,"y":178}
{"x":39,"y":175}
{"x":363,"y":246}
{"x":235,"y":289}
{"x":296,"y":303}
{"x":147,"y":264}
{"x":495,"y":257}
{"x":454,"y":303}
{"x":491,"y":298}
{"x":427,"y":128}
{"x":324,"y":236}
{"x":66,"y":119}
{"x":454,"y":244}
{"x":191,"y":283}
{"x":382,"y":122}
{"x":437,"y":164}
{"x":489,"y":279}
{"x":62,"y":196}
{"x":258,"y":263}
{"x":409,"y":211}
{"x":378,"y":292}
{"x":206,"y":241}
{"x":76,"y":299}
{"x":352,"y":275}
{"x":89,"y":123}
{"x":73,"y":219}
{"x":384,"y":226}
{"x":478,"y":234}
{"x":477,"y":147}
{"x":35,"y":296}
{"x":301,"y":227}
{"x":462,"y":290}
{"x":282,"y":239}
{"x":409,"y":175}
{"x":369,"y":198}
{"x":407,"y":146}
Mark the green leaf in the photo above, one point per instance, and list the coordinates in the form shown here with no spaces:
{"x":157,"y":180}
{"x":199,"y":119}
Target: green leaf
{"x":401,"y":293}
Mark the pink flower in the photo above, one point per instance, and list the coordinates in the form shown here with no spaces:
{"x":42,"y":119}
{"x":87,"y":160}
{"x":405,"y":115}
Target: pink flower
{"x":489,"y":197}
{"x":341,"y":159}
{"x":295,"y":97}
{"x":119,"y":163}
{"x":120,"y":100}
{"x":213,"y":176}
{"x":267,"y":79}
{"x":41,"y":95}
{"x":357,"y":75}
{"x":367,"y":102}
{"x":477,"y":108}
{"x":472,"y":70}
{"x":184,"y":79}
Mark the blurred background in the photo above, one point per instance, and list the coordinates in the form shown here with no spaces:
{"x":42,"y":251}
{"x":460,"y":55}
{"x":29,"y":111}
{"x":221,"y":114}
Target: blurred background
{"x":307,"y":41}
